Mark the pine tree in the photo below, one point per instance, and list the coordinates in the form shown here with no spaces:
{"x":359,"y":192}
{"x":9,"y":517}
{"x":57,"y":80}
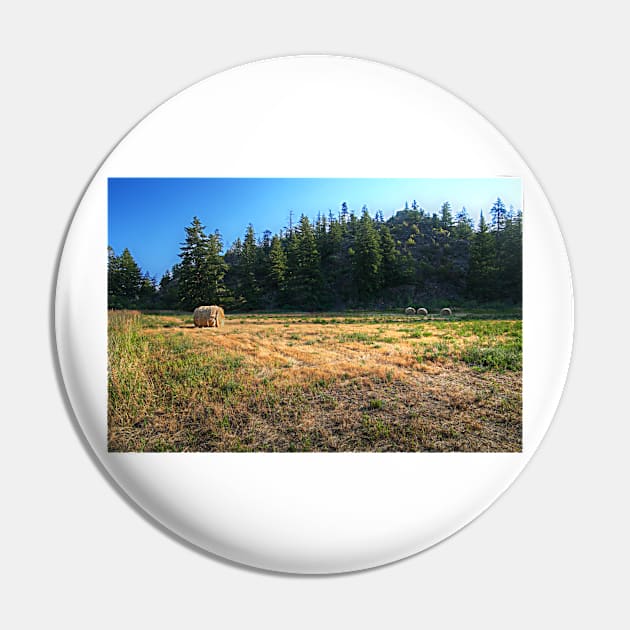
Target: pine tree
{"x":463,"y":225}
{"x":482,"y":273}
{"x":499,"y":215}
{"x":168,"y":296}
{"x":232,"y":260}
{"x":266,"y":296}
{"x":446,"y":216}
{"x":324,"y":241}
{"x":202,"y":268}
{"x":333,"y":268}
{"x":367,"y":257}
{"x":508,"y":238}
{"x":266,"y":240}
{"x":124,"y":279}
{"x":194,"y":275}
{"x":389,"y":257}
{"x":113,"y":290}
{"x":217,"y":269}
{"x":352,"y":227}
{"x":511,"y":260}
{"x":247,"y":267}
{"x":336,"y":261}
{"x":407,"y":266}
{"x":147,"y":295}
{"x":303,"y":267}
{"x":277,"y":269}
{"x":344,"y":213}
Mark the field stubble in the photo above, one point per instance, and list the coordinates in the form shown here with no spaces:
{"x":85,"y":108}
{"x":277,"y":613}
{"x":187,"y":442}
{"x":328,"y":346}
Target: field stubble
{"x":300,"y":382}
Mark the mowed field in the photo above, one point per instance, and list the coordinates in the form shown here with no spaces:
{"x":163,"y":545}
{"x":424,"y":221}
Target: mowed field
{"x":304,"y":382}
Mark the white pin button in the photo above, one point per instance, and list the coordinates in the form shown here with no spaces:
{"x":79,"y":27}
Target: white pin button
{"x":315,"y":511}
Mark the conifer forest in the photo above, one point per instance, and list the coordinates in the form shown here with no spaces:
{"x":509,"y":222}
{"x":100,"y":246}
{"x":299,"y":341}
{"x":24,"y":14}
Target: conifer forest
{"x":337,"y":261}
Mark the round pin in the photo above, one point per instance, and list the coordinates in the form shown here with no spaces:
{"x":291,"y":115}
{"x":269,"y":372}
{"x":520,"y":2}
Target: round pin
{"x":314,"y":314}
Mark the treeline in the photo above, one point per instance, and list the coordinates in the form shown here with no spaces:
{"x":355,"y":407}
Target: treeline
{"x":337,"y":261}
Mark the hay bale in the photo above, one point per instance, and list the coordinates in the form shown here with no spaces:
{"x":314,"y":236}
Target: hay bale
{"x":422,"y":311}
{"x":446,"y":312}
{"x":208,"y":317}
{"x":219,"y":317}
{"x":410,"y":310}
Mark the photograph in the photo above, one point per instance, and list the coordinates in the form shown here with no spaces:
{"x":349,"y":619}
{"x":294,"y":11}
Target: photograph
{"x":315,"y":315}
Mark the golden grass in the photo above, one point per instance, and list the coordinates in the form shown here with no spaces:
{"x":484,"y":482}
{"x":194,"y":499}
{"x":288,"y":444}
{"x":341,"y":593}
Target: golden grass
{"x":299,"y":382}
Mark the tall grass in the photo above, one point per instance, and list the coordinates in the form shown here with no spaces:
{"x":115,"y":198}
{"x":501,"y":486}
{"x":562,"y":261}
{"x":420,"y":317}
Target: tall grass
{"x":128,"y":357}
{"x":299,"y":383}
{"x":158,"y":373}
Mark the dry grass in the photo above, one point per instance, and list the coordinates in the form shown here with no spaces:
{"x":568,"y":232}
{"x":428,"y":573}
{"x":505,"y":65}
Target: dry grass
{"x":304,"y":383}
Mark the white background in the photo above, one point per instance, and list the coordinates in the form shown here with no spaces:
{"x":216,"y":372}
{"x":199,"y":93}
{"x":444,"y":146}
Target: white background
{"x":551,"y":552}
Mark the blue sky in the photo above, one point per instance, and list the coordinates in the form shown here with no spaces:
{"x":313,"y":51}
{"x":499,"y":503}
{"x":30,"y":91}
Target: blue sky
{"x":148,"y":215}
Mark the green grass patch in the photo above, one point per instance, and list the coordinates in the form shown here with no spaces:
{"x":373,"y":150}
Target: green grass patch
{"x":499,"y":357}
{"x":375,"y":428}
{"x":434,"y":353}
{"x":359,"y":337}
{"x":376,"y":403}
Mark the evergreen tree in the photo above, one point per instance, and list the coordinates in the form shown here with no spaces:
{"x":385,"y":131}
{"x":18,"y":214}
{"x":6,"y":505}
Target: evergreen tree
{"x":277,"y":269}
{"x":344,"y":213}
{"x":125,"y":281}
{"x":334,"y":267}
{"x":337,"y":261}
{"x":290,"y":228}
{"x":389,"y":257}
{"x":303,"y":267}
{"x":324,"y":241}
{"x":352,"y":225}
{"x":266,"y":297}
{"x":247,"y":268}
{"x":511,"y":260}
{"x":463,"y":225}
{"x":168,"y":295}
{"x":407,"y":267}
{"x":507,"y":232}
{"x":482,"y":271}
{"x":201,"y":269}
{"x":217,"y":269}
{"x":113,"y":279}
{"x":232,"y":260}
{"x":446,"y":216}
{"x":266,"y":241}
{"x":499,"y":215}
{"x":147,"y":295}
{"x":367,"y":257}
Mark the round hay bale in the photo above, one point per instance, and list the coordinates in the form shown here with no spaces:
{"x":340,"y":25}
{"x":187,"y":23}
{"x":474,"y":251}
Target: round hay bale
{"x":208,"y":316}
{"x":219,"y":316}
{"x":446,"y":312}
{"x":422,"y":311}
{"x":410,"y":310}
